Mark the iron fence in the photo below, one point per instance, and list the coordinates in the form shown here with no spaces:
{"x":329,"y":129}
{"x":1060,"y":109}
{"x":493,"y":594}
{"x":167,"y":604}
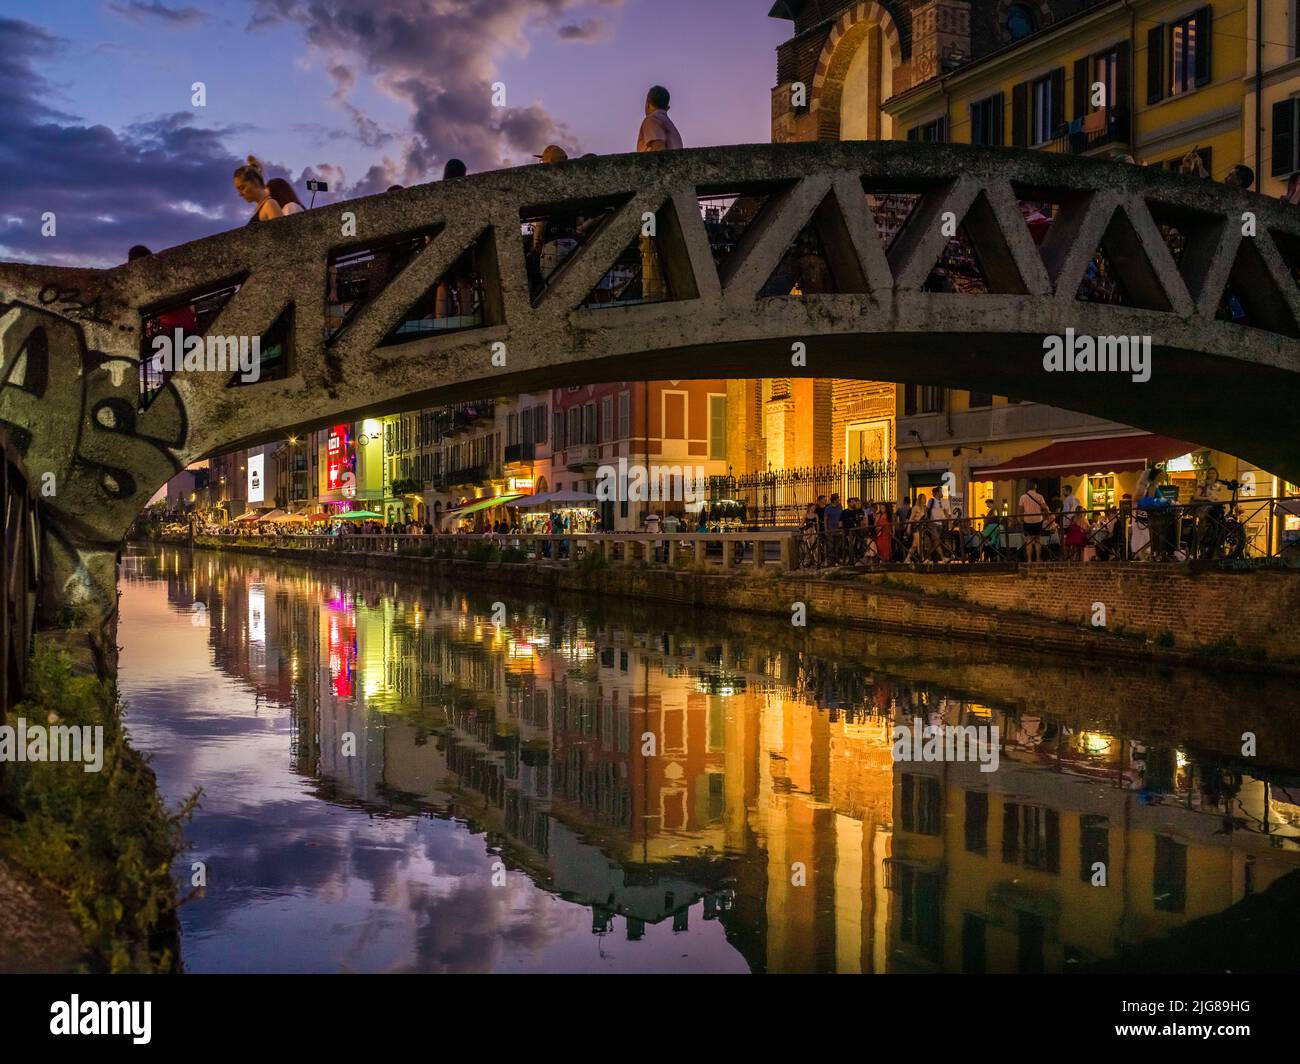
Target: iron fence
{"x":777,"y":498}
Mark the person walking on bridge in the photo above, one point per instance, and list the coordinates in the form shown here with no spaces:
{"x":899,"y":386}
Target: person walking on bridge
{"x":657,"y":133}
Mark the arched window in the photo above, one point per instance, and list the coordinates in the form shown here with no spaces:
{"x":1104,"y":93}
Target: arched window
{"x":1021,"y":21}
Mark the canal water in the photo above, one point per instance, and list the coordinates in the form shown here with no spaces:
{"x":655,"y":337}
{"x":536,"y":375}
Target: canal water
{"x":401,"y":778}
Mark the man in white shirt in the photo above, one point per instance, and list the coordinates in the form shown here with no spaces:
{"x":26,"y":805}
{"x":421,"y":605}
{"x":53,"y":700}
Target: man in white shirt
{"x":657,"y":131}
{"x":1070,"y":505}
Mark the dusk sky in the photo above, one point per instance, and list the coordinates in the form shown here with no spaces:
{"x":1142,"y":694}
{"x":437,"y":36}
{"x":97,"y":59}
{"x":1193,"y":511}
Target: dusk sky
{"x":97,"y":125}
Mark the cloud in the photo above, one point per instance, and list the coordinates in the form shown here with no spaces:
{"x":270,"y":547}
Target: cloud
{"x":441,"y":60}
{"x":159,"y":14}
{"x":587,"y":31}
{"x":163,"y":181}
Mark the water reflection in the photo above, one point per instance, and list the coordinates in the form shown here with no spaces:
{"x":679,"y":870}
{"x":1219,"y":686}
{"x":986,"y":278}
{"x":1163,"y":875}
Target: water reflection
{"x":394,"y":782}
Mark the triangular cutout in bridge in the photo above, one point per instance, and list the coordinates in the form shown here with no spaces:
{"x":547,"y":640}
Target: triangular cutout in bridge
{"x":1120,"y":272}
{"x":729,"y":217}
{"x":977,"y":259}
{"x":273,"y":353}
{"x":653,"y":268}
{"x":891,"y":211}
{"x":556,"y":235}
{"x":1252,"y":295}
{"x":192,"y":315}
{"x":456,"y":301}
{"x":356,"y":275}
{"x":820,"y":260}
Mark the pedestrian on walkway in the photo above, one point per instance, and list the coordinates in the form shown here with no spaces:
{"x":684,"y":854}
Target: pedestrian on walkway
{"x":1033,"y":511}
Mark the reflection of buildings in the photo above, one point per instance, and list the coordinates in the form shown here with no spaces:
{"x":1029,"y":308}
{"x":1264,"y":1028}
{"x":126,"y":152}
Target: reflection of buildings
{"x":771,"y":801}
{"x":1004,"y":871}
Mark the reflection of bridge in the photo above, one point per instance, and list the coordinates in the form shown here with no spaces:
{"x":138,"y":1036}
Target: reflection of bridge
{"x":71,"y":340}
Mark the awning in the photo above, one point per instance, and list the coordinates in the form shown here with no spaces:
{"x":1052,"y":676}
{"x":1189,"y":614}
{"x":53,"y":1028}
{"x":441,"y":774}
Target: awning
{"x":479,"y":504}
{"x":1105,"y":454}
{"x":525,"y":501}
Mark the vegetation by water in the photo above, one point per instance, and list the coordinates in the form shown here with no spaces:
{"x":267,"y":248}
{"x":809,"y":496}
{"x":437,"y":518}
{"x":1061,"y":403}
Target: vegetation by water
{"x":104,"y":840}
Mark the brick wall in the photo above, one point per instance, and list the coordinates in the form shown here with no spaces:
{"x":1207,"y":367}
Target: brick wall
{"x":1256,"y":610}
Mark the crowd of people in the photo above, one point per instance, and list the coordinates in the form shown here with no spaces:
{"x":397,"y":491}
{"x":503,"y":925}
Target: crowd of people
{"x":1141,"y":526}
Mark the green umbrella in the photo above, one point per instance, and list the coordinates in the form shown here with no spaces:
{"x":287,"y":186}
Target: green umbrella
{"x":358,"y":515}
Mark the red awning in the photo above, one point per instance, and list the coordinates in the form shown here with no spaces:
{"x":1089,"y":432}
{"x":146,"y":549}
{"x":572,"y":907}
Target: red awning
{"x":1108,"y":454}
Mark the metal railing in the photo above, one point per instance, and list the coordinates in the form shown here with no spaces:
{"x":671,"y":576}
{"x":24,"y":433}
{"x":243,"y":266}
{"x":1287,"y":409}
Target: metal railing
{"x":778,"y":497}
{"x":1251,"y":530}
{"x":664,"y":550}
{"x":20,"y":576}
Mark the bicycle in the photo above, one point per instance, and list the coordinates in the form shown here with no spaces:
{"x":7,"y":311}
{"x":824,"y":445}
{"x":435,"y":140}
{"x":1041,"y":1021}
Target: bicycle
{"x":1220,"y":533}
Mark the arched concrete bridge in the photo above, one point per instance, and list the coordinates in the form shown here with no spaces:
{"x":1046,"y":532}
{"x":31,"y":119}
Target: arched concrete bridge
{"x":71,"y":339}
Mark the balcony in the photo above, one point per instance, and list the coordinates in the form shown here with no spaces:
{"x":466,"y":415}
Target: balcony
{"x":462,"y":418}
{"x":583,"y":458}
{"x":467,"y":476}
{"x":1101,"y":129}
{"x":520,"y":453}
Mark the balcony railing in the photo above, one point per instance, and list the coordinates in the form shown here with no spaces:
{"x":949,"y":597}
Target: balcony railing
{"x":581,"y":457}
{"x":1114,"y":130}
{"x":464,"y":475}
{"x":520,"y":452}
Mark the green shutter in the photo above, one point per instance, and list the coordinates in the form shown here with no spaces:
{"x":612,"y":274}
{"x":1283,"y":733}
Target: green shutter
{"x":1057,"y":117}
{"x":1020,"y":115}
{"x":1204,"y":33}
{"x":1155,"y":64}
{"x":1284,"y":137}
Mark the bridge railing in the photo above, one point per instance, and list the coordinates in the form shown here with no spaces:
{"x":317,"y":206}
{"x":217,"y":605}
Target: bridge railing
{"x":724,"y":550}
{"x":20,"y":575}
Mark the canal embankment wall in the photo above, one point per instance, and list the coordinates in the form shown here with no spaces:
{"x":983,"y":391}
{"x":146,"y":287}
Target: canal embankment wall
{"x":1171,"y":612}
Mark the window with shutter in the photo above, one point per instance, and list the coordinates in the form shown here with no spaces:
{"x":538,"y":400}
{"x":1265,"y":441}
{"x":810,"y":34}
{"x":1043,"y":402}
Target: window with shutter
{"x":1189,"y":53}
{"x":1082,"y":86}
{"x":1045,"y":108}
{"x":986,"y":121}
{"x":1010,"y":833}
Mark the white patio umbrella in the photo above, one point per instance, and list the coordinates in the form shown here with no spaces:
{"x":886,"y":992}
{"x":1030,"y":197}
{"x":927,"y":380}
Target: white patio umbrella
{"x":528,"y":501}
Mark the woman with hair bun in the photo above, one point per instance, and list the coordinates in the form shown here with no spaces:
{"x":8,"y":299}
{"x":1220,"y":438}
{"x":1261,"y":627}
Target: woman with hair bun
{"x":251,"y":185}
{"x":283,"y":194}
